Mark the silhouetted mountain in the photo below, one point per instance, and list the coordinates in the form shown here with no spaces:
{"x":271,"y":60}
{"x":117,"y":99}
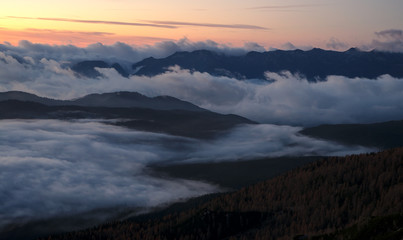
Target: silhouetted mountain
{"x":134,"y":99}
{"x":87,"y":68}
{"x":319,"y":198}
{"x":28,"y":97}
{"x":188,"y":123}
{"x":315,"y":64}
{"x":380,"y":135}
{"x":115,"y":99}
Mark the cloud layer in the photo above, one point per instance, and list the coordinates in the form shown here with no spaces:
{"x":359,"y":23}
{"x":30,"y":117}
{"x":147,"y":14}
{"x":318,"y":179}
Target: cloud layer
{"x":53,"y":168}
{"x":120,"y":52}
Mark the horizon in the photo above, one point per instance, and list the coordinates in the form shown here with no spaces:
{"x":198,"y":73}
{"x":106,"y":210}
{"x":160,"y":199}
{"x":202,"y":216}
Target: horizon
{"x":269,"y":24}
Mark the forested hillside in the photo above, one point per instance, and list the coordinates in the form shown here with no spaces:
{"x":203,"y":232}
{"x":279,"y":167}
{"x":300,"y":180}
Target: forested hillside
{"x":322,"y":197}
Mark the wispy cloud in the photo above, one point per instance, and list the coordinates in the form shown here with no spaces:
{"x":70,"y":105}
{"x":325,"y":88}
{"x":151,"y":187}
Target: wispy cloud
{"x":96,"y":22}
{"x":156,"y":24}
{"x":336,"y":44}
{"x":78,"y":38}
{"x":68,"y":32}
{"x":390,"y":33}
{"x":388,"y":40}
{"x":210,"y":25}
{"x":284,"y":7}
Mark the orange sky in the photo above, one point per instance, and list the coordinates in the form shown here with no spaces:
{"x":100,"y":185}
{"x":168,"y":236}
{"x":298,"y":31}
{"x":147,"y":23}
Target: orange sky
{"x":270,"y":23}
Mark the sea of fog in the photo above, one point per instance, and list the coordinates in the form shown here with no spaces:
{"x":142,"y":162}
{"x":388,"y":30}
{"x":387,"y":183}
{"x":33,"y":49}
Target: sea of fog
{"x":52,"y":168}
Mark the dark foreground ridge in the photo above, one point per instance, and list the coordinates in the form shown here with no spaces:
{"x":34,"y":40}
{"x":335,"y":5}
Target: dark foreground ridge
{"x":324,"y":196}
{"x":379,"y":135}
{"x":159,"y":114}
{"x":315,"y":64}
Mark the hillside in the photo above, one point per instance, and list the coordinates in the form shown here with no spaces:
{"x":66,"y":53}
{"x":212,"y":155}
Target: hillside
{"x":194,"y":124}
{"x":114,"y":99}
{"x":162,"y":114}
{"x":380,"y":135}
{"x":375,"y":228}
{"x":321,"y":197}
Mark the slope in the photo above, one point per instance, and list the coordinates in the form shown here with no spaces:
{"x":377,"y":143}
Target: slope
{"x":380,"y":135}
{"x":319,"y":198}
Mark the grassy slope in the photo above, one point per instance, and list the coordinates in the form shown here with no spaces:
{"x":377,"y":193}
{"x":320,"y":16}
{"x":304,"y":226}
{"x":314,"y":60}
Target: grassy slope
{"x":319,"y":198}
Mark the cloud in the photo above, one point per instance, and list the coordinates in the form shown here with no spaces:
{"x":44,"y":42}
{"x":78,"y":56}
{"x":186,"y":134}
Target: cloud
{"x":289,"y":100}
{"x":289,"y":46}
{"x":210,"y":25}
{"x":336,"y":44}
{"x":120,"y":52}
{"x":150,"y":23}
{"x":50,"y":168}
{"x":52,"y":31}
{"x":54,"y":168}
{"x":388,"y":40}
{"x":266,"y":140}
{"x":95,"y":22}
{"x":393,"y":34}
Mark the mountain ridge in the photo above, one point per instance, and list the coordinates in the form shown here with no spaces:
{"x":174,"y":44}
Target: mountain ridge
{"x":187,"y":121}
{"x":112,"y":99}
{"x":382,"y":135}
{"x":315,"y":64}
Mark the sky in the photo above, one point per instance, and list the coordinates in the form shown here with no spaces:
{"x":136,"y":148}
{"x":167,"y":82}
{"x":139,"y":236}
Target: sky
{"x":270,"y":23}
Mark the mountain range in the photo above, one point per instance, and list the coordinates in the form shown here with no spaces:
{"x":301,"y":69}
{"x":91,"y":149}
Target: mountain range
{"x":129,"y":109}
{"x":115,"y":100}
{"x":315,"y":64}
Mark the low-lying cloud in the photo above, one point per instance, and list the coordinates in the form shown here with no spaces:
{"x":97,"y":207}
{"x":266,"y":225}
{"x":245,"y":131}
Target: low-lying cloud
{"x":50,"y":168}
{"x":54,"y":168}
{"x":266,"y":140}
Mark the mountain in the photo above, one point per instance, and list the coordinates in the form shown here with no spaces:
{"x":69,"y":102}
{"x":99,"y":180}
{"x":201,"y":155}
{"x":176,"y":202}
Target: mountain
{"x":314,"y":64}
{"x":134,"y":99}
{"x":379,"y":135}
{"x":319,"y":198}
{"x":87,"y":68}
{"x":114,"y":99}
{"x":28,"y":97}
{"x":132,"y":110}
